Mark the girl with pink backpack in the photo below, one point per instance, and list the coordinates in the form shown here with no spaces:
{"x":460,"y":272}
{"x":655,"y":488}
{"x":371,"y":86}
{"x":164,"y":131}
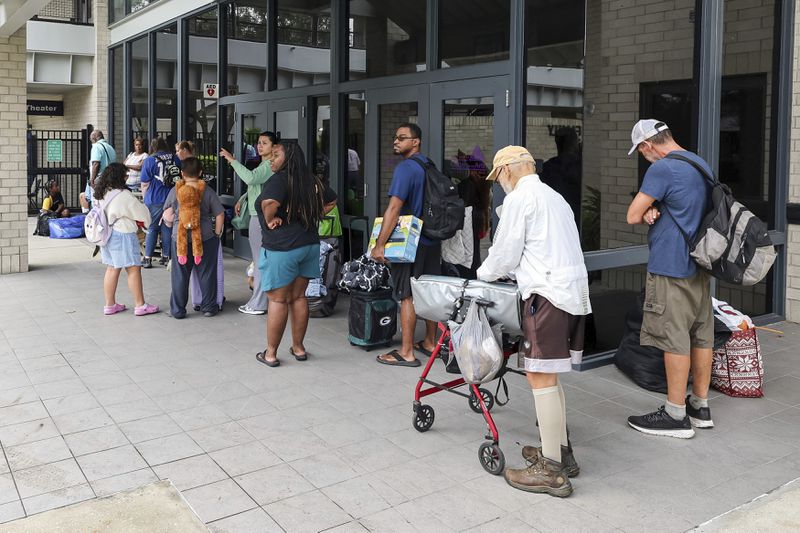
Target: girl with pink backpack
{"x":120,"y":249}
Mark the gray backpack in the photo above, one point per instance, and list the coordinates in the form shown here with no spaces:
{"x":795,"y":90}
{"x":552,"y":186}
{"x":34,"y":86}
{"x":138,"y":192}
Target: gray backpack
{"x":731,"y":243}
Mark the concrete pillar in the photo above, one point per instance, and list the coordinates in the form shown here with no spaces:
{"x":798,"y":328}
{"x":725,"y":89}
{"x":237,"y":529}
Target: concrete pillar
{"x":13,"y":165}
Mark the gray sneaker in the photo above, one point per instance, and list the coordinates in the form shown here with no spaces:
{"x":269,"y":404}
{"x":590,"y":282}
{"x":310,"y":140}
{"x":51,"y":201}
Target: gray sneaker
{"x":533,"y":453}
{"x":660,"y":423}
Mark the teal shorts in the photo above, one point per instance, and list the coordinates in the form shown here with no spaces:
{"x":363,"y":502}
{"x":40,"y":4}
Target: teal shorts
{"x":279,"y":269}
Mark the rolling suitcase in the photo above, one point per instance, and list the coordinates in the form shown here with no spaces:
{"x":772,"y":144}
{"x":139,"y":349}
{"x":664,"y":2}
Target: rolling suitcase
{"x":372,"y":319}
{"x":321,"y":305}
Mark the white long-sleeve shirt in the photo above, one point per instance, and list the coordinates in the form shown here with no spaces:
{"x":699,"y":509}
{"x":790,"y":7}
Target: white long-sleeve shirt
{"x":537,"y":243}
{"x":124,"y":210}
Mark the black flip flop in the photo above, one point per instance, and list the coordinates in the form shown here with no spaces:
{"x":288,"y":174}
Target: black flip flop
{"x":261,"y":357}
{"x":399,"y":361}
{"x":303,"y":357}
{"x":419,"y":346}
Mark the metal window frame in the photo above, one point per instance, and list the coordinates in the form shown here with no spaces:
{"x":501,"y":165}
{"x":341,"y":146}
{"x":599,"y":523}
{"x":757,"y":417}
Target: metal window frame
{"x":707,"y":66}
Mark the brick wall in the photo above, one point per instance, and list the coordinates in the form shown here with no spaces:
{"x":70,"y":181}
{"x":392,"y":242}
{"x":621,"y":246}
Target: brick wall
{"x":793,"y":237}
{"x":13,"y":181}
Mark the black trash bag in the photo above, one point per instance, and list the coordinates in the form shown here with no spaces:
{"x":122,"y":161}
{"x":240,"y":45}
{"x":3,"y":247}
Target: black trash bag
{"x":644,"y":365}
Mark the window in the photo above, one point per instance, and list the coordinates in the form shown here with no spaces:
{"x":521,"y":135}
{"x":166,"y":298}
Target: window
{"x":118,"y":101}
{"x":474,"y":31}
{"x":166,"y":84}
{"x":247,"y":47}
{"x":140,"y":88}
{"x":386,"y":38}
{"x":201,"y":110}
{"x":304,"y":42}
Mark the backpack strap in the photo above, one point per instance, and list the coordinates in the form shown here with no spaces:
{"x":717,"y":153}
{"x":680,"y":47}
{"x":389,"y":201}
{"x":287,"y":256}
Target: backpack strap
{"x":108,"y":199}
{"x":712,"y":179}
{"x":700,"y":168}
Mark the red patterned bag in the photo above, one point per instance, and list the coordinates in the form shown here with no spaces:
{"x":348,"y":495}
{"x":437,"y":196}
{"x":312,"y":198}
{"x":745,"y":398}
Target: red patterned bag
{"x":738,"y":369}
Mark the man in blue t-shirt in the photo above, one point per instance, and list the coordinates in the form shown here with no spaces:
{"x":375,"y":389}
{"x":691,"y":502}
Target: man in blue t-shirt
{"x":406,"y":195}
{"x":155,"y":193}
{"x":678,"y":318}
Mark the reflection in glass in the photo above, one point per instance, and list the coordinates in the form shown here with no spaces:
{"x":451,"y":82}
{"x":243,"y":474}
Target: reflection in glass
{"x":613,"y":294}
{"x":201,"y":109}
{"x":139,"y":88}
{"x":390,"y":116}
{"x":473,"y":32}
{"x":304,"y":39}
{"x":118,"y":101}
{"x":247,"y":51}
{"x":228,"y":126}
{"x":468,"y":154}
{"x":117,"y":10}
{"x":354,"y":133}
{"x":321,"y":149}
{"x":386,"y":38}
{"x":166,"y":84}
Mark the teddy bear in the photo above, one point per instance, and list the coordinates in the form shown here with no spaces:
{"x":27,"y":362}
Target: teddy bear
{"x":189,"y":199}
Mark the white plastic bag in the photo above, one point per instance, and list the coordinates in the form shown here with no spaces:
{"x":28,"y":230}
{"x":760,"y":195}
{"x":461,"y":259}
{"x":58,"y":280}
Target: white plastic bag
{"x":476,"y":346}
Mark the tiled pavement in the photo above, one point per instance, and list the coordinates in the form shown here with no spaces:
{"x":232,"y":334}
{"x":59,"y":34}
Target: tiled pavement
{"x":90,"y":405}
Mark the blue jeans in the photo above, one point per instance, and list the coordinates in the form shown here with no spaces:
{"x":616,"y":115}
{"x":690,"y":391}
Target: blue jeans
{"x":156,"y":211}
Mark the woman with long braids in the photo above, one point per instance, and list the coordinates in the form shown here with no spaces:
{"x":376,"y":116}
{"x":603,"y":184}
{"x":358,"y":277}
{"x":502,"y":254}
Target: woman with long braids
{"x":289,"y":209}
{"x":125,"y":212}
{"x":255,"y":180}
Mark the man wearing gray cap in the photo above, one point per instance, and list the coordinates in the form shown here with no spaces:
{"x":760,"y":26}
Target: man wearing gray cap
{"x":673,"y":199}
{"x":537,"y":244}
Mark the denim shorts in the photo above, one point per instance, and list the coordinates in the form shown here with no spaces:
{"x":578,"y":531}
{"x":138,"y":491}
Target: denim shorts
{"x":279,"y":269}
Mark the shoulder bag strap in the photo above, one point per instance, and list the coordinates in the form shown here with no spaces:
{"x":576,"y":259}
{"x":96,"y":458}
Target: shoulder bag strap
{"x":700,"y":168}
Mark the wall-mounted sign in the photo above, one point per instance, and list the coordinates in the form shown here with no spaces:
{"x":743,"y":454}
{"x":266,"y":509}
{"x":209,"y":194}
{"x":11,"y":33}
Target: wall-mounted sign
{"x":50,"y":108}
{"x":55,"y":151}
{"x":210,"y":91}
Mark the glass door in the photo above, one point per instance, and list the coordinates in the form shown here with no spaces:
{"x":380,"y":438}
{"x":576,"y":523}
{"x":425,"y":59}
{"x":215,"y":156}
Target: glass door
{"x":289,"y":118}
{"x":469,"y":123}
{"x":385,"y":111}
{"x":250,"y":120}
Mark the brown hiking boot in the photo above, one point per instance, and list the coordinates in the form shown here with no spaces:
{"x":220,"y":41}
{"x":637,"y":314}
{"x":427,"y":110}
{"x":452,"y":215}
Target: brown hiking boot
{"x":542,"y":476}
{"x":532,"y":454}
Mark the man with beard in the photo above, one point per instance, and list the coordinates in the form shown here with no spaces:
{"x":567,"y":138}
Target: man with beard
{"x":537,"y":244}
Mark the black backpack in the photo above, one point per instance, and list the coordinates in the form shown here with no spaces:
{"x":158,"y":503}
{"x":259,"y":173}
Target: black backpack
{"x":731,"y":243}
{"x":168,"y":170}
{"x":442,"y":207}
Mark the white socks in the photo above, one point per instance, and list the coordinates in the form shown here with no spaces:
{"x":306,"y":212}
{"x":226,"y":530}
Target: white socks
{"x":552,"y":422}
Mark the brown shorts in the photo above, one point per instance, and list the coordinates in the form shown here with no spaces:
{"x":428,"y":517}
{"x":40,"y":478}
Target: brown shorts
{"x":677,"y":313}
{"x":553,"y":338}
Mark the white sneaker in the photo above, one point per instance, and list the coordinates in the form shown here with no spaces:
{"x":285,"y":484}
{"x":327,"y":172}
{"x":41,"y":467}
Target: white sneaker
{"x":250,"y":311}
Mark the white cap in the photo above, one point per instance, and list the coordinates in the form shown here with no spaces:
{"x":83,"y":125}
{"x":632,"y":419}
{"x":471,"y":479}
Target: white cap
{"x":643,"y":130}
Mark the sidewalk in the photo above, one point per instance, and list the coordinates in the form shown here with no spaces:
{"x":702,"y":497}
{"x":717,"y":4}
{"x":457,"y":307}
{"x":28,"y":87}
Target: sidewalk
{"x":91,"y":405}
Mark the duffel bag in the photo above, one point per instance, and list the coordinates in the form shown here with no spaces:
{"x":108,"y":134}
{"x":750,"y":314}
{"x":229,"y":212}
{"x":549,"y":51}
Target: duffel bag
{"x":437,"y":297}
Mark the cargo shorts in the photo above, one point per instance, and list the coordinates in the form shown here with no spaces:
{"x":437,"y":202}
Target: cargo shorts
{"x":677,"y":313}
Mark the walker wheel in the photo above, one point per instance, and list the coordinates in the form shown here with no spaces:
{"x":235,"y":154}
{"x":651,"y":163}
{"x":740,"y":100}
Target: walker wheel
{"x":488,"y":400}
{"x":423,"y":418}
{"x":491,"y":457}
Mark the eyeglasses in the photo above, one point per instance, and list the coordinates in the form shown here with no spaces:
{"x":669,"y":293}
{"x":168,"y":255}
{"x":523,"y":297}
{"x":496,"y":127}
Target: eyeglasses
{"x":403,"y":138}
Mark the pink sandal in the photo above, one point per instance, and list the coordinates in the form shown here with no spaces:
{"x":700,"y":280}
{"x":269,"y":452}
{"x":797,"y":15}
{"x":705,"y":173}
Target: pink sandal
{"x":113,"y":309}
{"x":145,"y":309}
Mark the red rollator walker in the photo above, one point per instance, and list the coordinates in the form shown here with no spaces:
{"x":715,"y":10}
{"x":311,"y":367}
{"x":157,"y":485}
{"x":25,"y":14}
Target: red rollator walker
{"x":480,"y":399}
